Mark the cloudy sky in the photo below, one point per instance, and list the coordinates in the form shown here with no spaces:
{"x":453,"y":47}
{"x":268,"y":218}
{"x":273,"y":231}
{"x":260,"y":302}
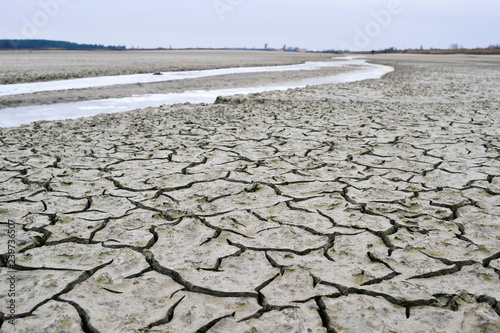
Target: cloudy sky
{"x":311,"y":24}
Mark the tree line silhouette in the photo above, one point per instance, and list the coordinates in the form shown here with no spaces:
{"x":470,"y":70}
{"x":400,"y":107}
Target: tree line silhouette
{"x":42,"y":44}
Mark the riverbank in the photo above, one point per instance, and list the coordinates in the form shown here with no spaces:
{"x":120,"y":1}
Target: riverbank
{"x":38,"y":66}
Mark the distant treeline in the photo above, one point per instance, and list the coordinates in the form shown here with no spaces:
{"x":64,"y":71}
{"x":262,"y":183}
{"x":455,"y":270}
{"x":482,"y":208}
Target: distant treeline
{"x":493,"y":49}
{"x":454,"y":49}
{"x":42,"y":44}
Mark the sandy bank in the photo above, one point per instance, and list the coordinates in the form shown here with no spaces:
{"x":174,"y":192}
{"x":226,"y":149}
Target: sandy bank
{"x":26,"y":66}
{"x":209,"y":83}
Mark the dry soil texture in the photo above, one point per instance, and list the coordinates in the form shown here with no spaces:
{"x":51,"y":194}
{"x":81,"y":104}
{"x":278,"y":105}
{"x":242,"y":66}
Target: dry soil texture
{"x":362,"y":207}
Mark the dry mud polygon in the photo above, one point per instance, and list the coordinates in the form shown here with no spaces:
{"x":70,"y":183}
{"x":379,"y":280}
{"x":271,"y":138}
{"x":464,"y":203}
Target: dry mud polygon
{"x":361,"y":207}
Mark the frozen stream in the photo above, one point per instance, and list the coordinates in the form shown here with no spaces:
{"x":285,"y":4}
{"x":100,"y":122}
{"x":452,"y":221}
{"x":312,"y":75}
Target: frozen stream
{"x":12,"y":117}
{"x":102,"y":81}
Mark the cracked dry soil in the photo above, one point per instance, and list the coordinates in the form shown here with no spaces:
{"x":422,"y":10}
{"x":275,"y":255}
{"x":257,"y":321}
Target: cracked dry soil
{"x":362,"y":207}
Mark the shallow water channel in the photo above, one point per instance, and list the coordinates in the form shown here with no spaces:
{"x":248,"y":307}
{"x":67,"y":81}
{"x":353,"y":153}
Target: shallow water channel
{"x":12,"y":117}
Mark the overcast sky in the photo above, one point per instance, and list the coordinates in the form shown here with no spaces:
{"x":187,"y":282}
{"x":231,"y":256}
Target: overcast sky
{"x":311,"y":24}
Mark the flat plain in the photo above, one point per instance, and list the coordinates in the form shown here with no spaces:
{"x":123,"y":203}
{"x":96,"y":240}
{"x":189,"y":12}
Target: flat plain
{"x":361,"y":207}
{"x":25,"y":66}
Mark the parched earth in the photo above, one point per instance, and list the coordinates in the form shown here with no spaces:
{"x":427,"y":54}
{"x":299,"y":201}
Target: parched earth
{"x":362,"y":207}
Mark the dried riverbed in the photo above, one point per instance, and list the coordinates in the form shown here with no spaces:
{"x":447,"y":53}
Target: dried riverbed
{"x":362,"y":207}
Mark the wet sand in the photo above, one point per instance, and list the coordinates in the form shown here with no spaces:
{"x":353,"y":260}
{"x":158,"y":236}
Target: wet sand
{"x":359,"y":207}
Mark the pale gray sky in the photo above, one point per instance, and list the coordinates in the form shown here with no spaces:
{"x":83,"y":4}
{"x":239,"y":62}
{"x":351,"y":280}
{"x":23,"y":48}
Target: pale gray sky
{"x":311,"y":24}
